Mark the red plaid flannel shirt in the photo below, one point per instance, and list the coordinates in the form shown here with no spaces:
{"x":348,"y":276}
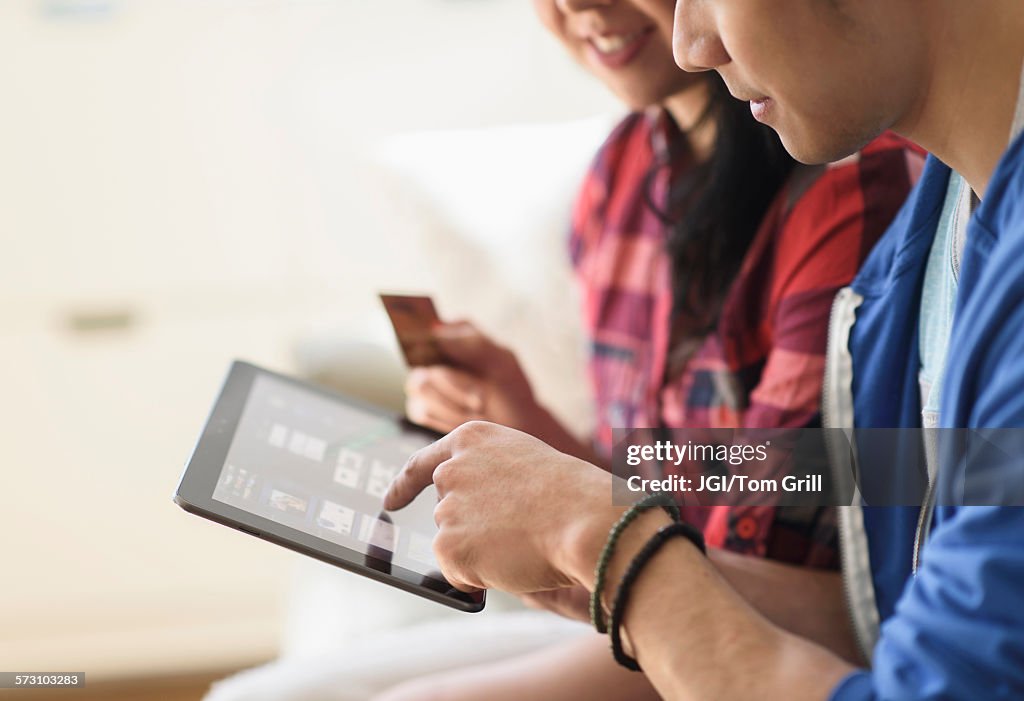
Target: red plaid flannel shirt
{"x":762,"y":366}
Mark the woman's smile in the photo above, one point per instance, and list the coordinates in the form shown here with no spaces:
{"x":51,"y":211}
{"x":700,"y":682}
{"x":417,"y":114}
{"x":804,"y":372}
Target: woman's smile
{"x":616,"y":50}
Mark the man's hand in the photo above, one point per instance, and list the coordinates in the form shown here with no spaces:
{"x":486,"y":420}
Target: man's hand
{"x":512,"y":510}
{"x":515,"y":514}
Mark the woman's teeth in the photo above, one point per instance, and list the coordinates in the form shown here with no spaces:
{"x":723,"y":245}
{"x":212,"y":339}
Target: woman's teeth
{"x":615,"y":42}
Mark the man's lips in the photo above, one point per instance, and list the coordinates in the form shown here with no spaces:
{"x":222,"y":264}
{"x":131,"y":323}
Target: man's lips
{"x":761,"y":108}
{"x":760,"y":105}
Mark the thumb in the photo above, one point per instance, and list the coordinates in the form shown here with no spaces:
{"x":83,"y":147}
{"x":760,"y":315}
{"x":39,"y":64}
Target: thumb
{"x":465,"y":346}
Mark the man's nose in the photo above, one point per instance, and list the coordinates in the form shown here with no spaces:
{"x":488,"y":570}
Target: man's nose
{"x":695,"y":41}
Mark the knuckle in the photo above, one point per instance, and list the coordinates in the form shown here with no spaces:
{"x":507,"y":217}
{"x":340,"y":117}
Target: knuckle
{"x":473,"y":430}
{"x":410,"y":463}
{"x":446,"y":513}
{"x":461,"y":381}
{"x":417,"y":381}
{"x":443,"y":474}
{"x":452,"y":559}
{"x":448,"y":481}
{"x":447,"y":374}
{"x":415,"y":410}
{"x":444,"y":549}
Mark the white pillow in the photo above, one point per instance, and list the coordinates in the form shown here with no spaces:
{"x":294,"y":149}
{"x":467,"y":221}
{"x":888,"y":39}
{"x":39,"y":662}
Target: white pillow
{"x":490,"y":208}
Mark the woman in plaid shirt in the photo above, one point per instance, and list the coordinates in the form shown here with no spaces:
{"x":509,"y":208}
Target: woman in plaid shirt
{"x":707,"y":261}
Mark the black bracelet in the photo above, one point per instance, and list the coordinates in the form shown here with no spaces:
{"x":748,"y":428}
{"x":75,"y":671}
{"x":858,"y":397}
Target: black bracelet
{"x":635,"y":567}
{"x":656,"y":499}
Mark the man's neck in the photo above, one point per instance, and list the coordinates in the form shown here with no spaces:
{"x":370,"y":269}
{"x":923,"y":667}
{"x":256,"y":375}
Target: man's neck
{"x":967,"y":107}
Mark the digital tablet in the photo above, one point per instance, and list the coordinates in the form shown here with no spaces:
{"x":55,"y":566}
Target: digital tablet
{"x":307,"y":468}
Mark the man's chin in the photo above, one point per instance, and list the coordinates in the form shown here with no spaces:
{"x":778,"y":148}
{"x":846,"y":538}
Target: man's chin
{"x":818,"y":148}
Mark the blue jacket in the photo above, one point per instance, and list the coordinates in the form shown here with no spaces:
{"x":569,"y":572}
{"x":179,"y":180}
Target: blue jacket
{"x":956,"y":629}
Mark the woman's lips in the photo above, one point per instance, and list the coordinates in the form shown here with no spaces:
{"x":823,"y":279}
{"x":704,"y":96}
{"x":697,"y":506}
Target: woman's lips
{"x":618,"y":50}
{"x":761,"y":109}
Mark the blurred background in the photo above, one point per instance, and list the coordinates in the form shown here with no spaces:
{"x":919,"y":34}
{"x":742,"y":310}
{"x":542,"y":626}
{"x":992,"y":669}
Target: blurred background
{"x":183,"y":182}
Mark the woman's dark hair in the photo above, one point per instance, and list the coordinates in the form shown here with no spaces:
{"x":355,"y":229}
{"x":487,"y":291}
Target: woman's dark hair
{"x":715,"y":207}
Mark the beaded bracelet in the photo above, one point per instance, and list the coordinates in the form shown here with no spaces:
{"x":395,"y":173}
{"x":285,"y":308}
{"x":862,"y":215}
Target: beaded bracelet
{"x":649,"y":550}
{"x":657,"y":499}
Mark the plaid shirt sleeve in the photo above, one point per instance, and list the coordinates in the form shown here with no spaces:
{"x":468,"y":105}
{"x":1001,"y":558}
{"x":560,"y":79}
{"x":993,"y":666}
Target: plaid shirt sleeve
{"x":819,"y":245}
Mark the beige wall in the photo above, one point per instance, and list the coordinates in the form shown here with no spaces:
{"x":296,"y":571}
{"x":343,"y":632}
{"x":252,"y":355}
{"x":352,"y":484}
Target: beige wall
{"x":193,"y":174}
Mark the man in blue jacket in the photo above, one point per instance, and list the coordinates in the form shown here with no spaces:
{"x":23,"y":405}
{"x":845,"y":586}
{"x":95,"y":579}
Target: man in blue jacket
{"x":948,"y":76}
{"x":931,"y":333}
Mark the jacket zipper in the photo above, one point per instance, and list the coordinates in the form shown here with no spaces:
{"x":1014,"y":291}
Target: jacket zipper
{"x":924,"y":524}
{"x":829,"y":409}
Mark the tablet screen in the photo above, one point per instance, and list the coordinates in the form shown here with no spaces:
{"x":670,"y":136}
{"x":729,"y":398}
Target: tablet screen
{"x":319,"y":466}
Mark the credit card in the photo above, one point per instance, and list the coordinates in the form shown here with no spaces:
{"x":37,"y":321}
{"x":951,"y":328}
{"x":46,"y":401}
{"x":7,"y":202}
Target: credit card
{"x":413,"y":318}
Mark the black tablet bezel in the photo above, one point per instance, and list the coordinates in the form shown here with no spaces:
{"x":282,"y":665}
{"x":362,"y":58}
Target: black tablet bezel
{"x":195,"y":492}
